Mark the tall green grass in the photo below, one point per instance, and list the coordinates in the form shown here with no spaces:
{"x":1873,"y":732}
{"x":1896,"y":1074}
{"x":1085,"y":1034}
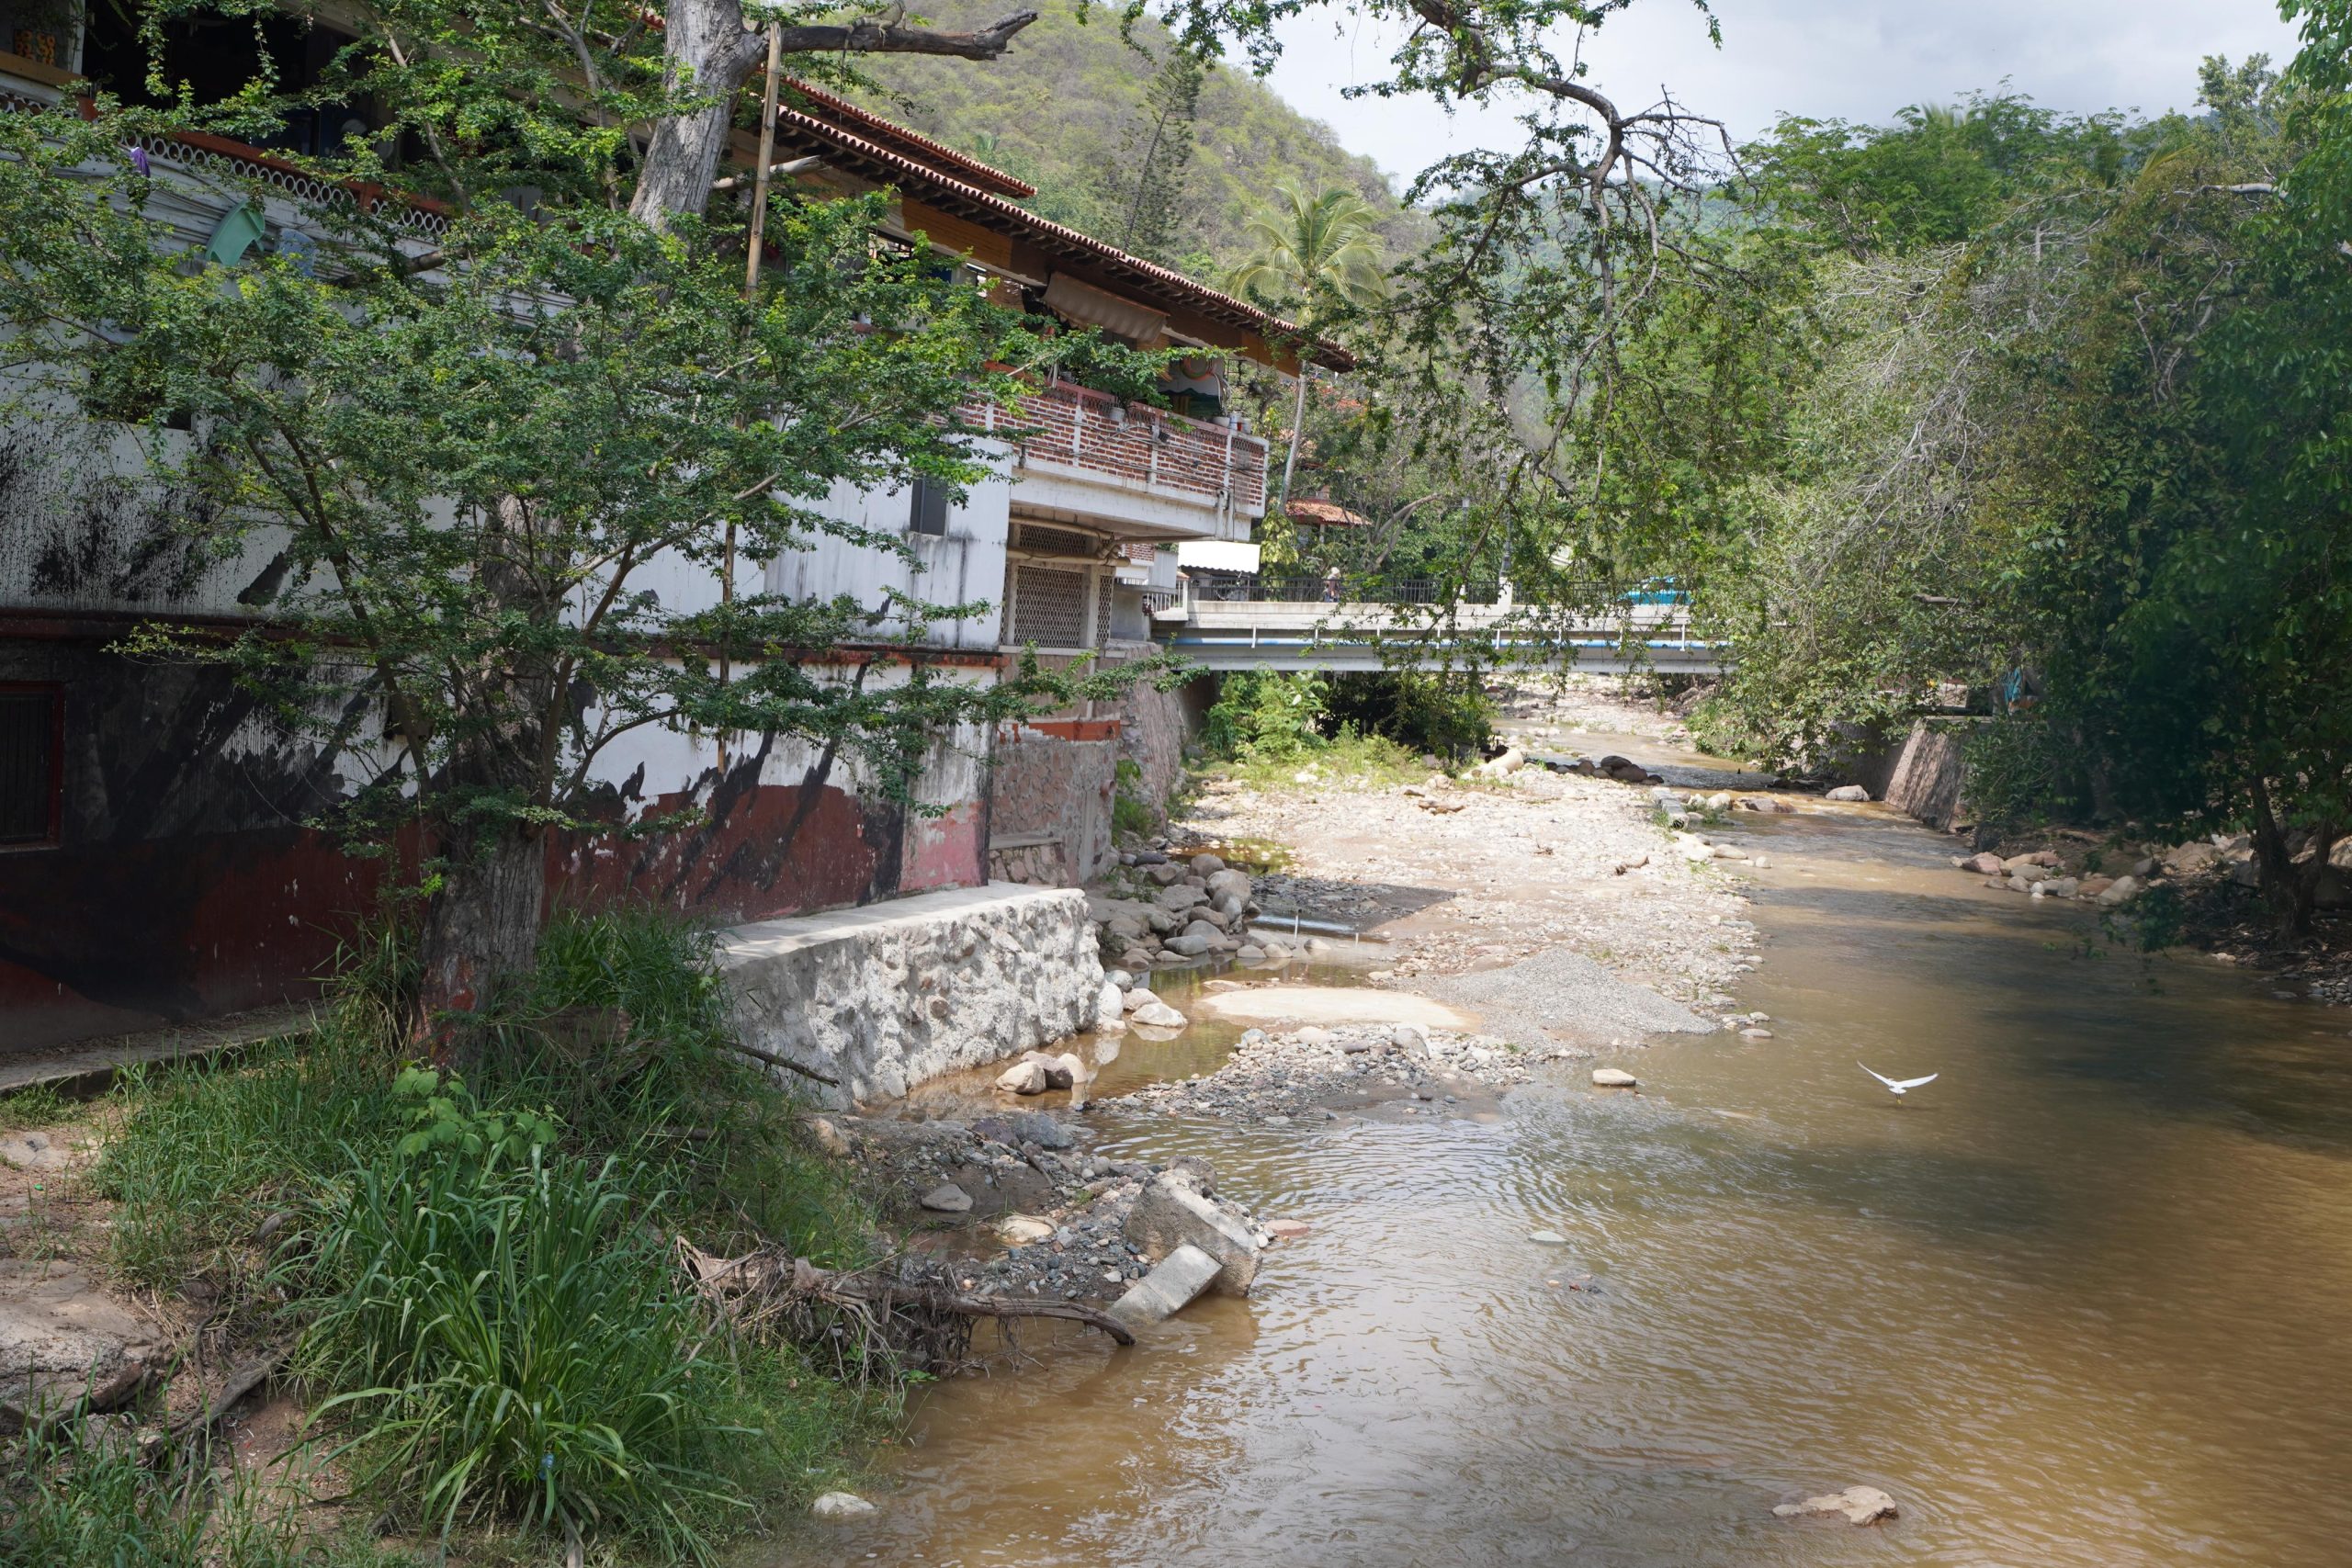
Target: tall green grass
{"x":482,"y":1260}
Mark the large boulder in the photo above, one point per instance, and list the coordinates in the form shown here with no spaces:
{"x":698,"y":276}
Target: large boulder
{"x":1109,"y":1008}
{"x":1206,"y":865}
{"x":1229,"y":884}
{"x":1848,"y":791}
{"x":1623,"y":769}
{"x":1172,"y":1214}
{"x":1190,"y":946}
{"x":1204,"y":927}
{"x":1176,"y":900}
{"x":1986,"y":865}
{"x":1157,"y":1015}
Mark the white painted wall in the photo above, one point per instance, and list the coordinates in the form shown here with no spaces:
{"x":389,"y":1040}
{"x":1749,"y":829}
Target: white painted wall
{"x":965,"y":565}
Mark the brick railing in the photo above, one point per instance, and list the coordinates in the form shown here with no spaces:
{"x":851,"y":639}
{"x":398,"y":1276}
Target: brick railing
{"x":1081,"y":428}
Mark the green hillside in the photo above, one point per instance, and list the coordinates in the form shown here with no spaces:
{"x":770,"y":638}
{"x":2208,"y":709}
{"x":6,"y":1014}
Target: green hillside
{"x":1066,"y":112}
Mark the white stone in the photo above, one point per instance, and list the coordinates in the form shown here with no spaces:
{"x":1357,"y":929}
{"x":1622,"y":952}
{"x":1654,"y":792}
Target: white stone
{"x":1108,"y":1005}
{"x":1547,"y":1239}
{"x":1314,"y":1035}
{"x":1859,"y":1505}
{"x":1159,"y":1015}
{"x":1178,"y":1280}
{"x":1848,"y":791}
{"x":1019,"y":1230}
{"x":1142,"y":996}
{"x":1410,"y":1038}
{"x":1613,"y":1078}
{"x":2122,"y":890}
{"x":1023,"y":1077}
{"x":842,"y":1506}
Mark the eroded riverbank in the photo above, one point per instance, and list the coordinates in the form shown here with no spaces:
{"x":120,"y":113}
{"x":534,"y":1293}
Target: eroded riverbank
{"x":2084,"y":1301}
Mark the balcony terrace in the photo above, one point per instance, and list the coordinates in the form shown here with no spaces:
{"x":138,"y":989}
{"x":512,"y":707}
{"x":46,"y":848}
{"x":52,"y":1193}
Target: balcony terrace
{"x":1087,"y":456}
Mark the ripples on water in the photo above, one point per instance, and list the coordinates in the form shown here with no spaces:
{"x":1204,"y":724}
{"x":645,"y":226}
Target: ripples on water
{"x":2085,"y":1300}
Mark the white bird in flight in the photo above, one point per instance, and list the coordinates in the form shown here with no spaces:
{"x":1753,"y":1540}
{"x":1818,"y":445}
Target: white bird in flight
{"x":1900,"y":1086}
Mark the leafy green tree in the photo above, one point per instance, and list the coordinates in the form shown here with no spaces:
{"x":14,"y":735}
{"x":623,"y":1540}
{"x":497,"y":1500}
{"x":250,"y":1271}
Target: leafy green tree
{"x":477,"y":441}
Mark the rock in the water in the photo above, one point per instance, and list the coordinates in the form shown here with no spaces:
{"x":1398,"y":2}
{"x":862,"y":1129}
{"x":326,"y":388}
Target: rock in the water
{"x":1859,"y":1505}
{"x":1848,"y":791}
{"x":1023,"y":1077}
{"x":1613,"y":1078}
{"x":1251,"y":953}
{"x":1986,"y":865}
{"x":1170,"y":1213}
{"x":1159,"y":1015}
{"x":1109,"y":1007}
{"x":947,"y":1199}
{"x":2121,"y":890}
{"x":1120,"y":979}
{"x":842,"y":1506}
{"x":1547,"y":1239}
{"x":1623,"y":769}
{"x":1288,"y":1230}
{"x":1178,"y":1278}
{"x":1141,"y":996}
{"x":1190,"y":946}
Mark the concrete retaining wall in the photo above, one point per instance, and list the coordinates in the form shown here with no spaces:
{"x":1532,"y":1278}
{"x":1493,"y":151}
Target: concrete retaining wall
{"x":893,"y":995}
{"x":1930,"y":774}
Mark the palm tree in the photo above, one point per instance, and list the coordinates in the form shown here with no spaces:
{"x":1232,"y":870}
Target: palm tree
{"x":1316,"y":254}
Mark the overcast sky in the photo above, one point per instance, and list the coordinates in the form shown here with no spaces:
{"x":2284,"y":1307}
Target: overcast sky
{"x":1858,"y":59}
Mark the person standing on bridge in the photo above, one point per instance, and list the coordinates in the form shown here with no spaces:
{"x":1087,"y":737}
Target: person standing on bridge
{"x":1331,"y":586}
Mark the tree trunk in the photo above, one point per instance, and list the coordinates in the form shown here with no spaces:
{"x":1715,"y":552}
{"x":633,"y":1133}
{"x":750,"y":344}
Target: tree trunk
{"x":483,"y":926}
{"x":1297,"y":420}
{"x":707,"y":52}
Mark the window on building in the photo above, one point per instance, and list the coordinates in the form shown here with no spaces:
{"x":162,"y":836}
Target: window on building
{"x":32,"y":764}
{"x":927,"y":510}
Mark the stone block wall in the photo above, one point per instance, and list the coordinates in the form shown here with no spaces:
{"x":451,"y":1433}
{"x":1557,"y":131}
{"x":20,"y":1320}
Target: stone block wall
{"x":894,"y":995}
{"x":1059,"y":789}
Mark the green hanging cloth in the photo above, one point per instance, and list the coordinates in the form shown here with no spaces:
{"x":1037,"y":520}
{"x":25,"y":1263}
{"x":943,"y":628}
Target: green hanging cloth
{"x":234,"y":235}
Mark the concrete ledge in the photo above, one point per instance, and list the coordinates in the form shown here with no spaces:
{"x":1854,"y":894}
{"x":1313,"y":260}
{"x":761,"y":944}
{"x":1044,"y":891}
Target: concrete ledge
{"x":891,"y":995}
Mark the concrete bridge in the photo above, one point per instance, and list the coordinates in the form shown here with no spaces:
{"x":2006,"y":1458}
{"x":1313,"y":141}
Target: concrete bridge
{"x":1281,"y":634}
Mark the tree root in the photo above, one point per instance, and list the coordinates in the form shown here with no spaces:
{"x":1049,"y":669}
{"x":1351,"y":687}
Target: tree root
{"x":900,"y":1314}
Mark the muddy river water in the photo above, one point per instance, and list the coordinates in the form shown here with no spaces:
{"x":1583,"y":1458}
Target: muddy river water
{"x":2087,"y":1298}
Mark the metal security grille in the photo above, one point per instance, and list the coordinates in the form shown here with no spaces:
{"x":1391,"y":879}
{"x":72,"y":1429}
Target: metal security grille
{"x":1049,"y":608}
{"x":1054,"y":541}
{"x":1102,"y":610}
{"x":29,"y":767}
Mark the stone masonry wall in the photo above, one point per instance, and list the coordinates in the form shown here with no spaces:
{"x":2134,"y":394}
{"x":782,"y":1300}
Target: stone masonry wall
{"x":891,"y":995}
{"x":1057,"y":788}
{"x":1152,"y":730}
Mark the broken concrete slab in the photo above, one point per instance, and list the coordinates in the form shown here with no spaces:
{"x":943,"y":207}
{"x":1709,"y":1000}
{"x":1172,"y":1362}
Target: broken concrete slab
{"x":1178,"y":1280}
{"x":1171,"y":1213}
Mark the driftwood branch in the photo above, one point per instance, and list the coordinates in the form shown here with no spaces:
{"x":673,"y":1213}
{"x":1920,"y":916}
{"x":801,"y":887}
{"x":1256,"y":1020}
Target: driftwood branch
{"x":241,"y":1380}
{"x":772,"y":1060}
